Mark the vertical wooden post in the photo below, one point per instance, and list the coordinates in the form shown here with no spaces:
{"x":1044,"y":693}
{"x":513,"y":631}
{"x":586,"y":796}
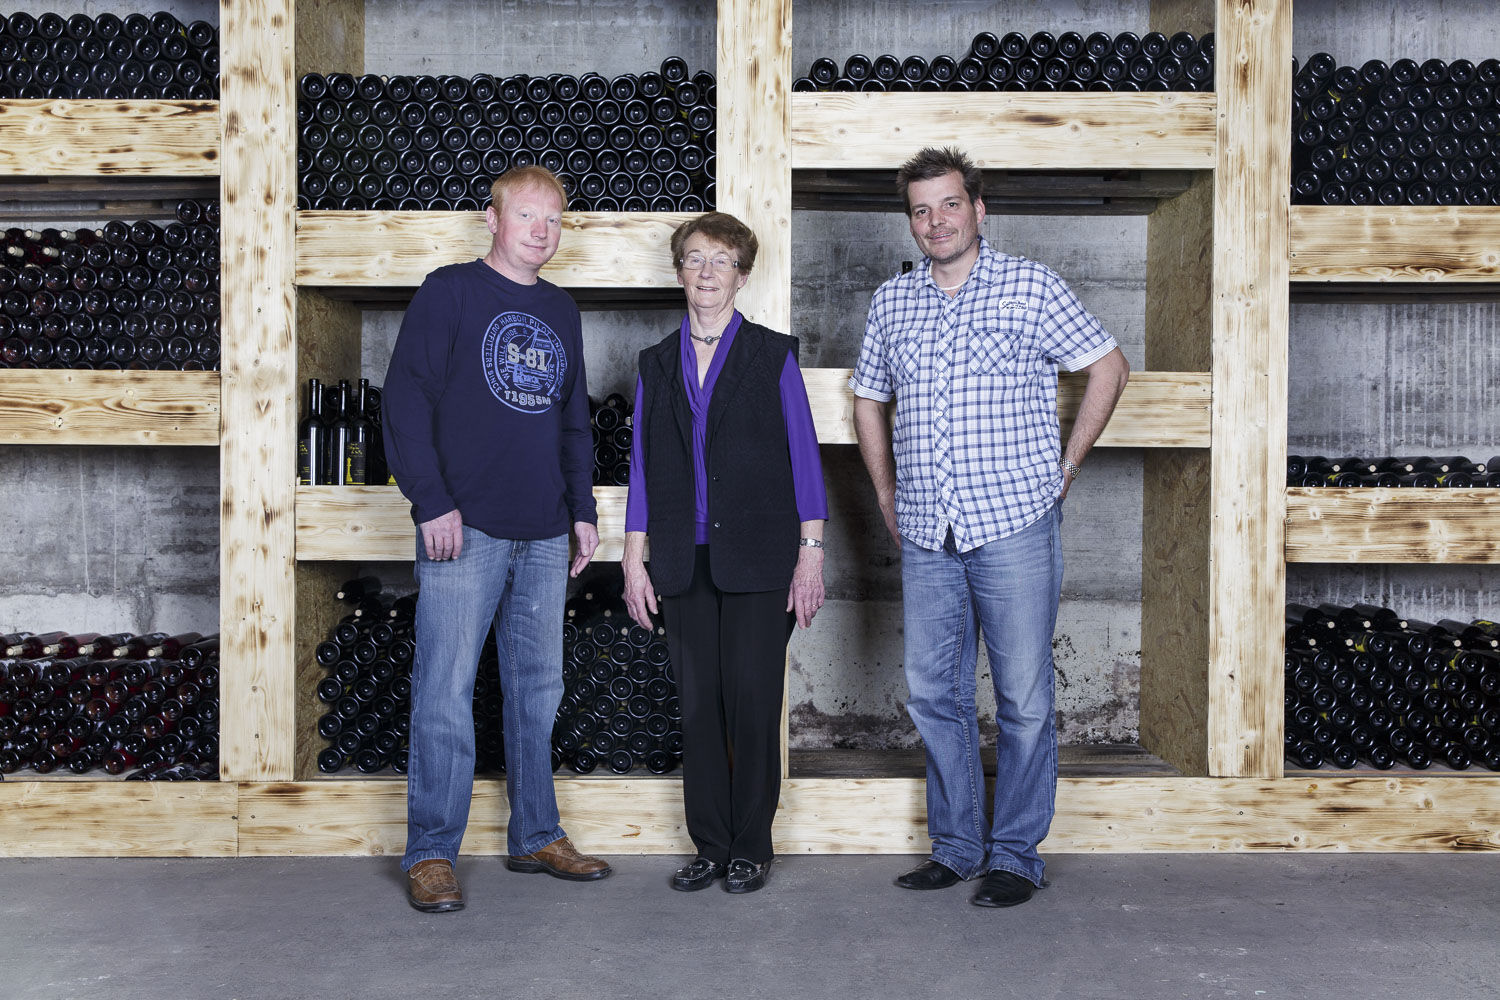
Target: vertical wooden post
{"x":755,"y":163}
{"x":257,"y":451}
{"x":1247,"y":587}
{"x":1175,"y":489}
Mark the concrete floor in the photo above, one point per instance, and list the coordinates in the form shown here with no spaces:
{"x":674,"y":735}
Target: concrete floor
{"x":1132,"y":926}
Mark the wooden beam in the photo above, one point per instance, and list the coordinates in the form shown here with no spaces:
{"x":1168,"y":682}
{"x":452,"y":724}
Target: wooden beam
{"x":257,"y":450}
{"x":1329,"y":812}
{"x":1155,"y":131}
{"x":109,"y":138}
{"x":117,"y":819}
{"x":47,"y":406}
{"x":755,"y":166}
{"x":1405,"y":244}
{"x":1160,"y":409}
{"x":1247,"y":586}
{"x":1332,"y":525}
{"x":399,"y":249}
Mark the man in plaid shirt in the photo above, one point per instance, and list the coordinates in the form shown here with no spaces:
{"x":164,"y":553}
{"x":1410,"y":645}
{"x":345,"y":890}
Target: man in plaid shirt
{"x":968,"y":345}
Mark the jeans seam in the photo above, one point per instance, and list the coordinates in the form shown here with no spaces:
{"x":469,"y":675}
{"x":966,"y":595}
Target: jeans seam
{"x":975,"y":794}
{"x":519,"y":767}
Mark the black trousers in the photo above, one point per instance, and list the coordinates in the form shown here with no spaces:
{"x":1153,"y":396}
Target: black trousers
{"x":729,"y":656}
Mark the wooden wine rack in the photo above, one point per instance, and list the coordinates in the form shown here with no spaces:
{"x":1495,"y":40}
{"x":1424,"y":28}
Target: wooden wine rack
{"x":1218,"y":526}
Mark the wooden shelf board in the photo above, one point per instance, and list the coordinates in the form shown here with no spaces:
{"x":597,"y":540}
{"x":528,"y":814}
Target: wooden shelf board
{"x":118,"y":818}
{"x":1399,"y":244}
{"x":372,"y":523}
{"x":875,"y":131}
{"x":1324,"y":811}
{"x":1405,"y":525}
{"x":618,"y":250}
{"x":55,"y":406}
{"x":110,"y":138}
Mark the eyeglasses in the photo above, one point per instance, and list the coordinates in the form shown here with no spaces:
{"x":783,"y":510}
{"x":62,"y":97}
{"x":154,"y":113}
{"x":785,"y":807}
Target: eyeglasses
{"x":696,"y":262}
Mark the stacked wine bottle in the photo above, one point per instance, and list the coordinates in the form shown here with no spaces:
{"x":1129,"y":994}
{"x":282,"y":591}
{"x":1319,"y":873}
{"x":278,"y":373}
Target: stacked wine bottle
{"x":146,"y":706}
{"x":339,"y":441}
{"x":1363,"y":684}
{"x":1398,"y":134}
{"x":88,"y":58}
{"x":1426,"y":471}
{"x":1041,"y":62}
{"x":633,"y":143}
{"x":619,"y":707}
{"x":613,"y":433}
{"x":130,"y":295}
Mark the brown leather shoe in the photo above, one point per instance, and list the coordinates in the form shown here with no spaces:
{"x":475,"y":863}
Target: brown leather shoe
{"x":432,"y":887}
{"x":560,"y":859}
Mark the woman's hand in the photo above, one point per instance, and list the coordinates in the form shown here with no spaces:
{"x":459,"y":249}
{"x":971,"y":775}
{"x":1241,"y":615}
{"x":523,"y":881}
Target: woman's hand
{"x":640,"y":595}
{"x":806,"y":594}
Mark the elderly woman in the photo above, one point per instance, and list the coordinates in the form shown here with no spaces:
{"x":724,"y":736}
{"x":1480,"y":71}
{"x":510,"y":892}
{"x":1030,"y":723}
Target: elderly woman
{"x":725,"y":478}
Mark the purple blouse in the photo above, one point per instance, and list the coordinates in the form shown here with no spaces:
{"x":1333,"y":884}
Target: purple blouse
{"x":801,"y":438}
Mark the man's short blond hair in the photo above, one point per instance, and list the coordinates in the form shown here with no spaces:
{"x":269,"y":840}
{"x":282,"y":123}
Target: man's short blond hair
{"x":524,"y":177}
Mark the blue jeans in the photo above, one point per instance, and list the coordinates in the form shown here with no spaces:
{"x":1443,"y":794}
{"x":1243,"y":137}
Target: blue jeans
{"x":1009,"y":588}
{"x":520,"y":586}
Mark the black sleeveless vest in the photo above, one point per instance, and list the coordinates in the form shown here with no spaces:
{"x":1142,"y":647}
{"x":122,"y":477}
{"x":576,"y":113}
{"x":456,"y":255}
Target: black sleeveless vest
{"x":752,"y":506}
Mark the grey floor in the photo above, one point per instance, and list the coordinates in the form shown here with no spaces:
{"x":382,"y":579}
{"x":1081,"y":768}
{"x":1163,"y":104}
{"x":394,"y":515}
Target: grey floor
{"x":1131,"y":926}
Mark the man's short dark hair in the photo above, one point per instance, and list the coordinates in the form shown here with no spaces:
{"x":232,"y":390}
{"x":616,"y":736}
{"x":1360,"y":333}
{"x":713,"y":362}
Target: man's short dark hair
{"x":933,"y":162}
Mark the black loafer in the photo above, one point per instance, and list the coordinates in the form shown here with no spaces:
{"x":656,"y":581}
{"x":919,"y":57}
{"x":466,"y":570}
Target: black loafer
{"x":929,"y":875}
{"x":1003,"y":889}
{"x":746,"y":876}
{"x":700,"y":874}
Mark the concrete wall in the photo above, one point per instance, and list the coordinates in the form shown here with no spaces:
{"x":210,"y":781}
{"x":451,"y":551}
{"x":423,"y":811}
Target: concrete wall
{"x":128,"y":538}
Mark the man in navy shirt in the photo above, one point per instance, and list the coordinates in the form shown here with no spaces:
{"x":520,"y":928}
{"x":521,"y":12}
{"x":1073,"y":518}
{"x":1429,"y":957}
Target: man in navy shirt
{"x":487,"y":433}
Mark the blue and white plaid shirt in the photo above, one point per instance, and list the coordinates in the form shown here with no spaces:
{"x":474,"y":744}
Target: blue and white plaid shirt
{"x":975,"y":380}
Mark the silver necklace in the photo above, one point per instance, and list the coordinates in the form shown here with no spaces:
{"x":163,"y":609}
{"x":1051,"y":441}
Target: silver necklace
{"x":709,"y":341}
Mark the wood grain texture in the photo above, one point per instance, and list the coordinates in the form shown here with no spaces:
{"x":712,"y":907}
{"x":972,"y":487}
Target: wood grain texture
{"x":109,"y":138}
{"x":40,"y":819}
{"x":330,"y":37}
{"x":1175,"y":559}
{"x":257,"y":451}
{"x":373,"y":523}
{"x":1196,"y":16}
{"x":1160,"y":131}
{"x":399,"y":249}
{"x":1159,"y":409}
{"x":1407,"y":244}
{"x":49,"y":406}
{"x":888,"y":815}
{"x":754,"y":150}
{"x":1392,"y":525}
{"x":1248,"y":583}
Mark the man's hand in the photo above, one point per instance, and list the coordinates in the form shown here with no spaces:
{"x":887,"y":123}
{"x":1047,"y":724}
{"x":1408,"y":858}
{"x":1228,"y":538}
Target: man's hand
{"x":443,"y":536}
{"x":806,"y":594}
{"x":640,"y":595}
{"x":588,"y":541}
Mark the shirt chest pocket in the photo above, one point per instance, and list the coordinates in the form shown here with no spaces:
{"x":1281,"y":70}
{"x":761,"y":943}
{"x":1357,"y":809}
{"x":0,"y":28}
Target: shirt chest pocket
{"x":994,"y":348}
{"x":906,"y":360}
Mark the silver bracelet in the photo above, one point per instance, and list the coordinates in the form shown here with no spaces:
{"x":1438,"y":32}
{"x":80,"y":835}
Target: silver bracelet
{"x":810,"y":543}
{"x":1073,"y":470}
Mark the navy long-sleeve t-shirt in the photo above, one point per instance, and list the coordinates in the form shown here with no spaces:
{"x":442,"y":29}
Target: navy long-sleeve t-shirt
{"x":486,"y":405}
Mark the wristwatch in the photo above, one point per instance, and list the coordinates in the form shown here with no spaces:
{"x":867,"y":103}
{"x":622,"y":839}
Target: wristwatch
{"x":1073,"y":470}
{"x":810,"y":543}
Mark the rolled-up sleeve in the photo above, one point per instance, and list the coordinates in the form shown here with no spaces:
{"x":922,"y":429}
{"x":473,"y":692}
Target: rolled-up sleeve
{"x":802,"y":444}
{"x":871,"y":378}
